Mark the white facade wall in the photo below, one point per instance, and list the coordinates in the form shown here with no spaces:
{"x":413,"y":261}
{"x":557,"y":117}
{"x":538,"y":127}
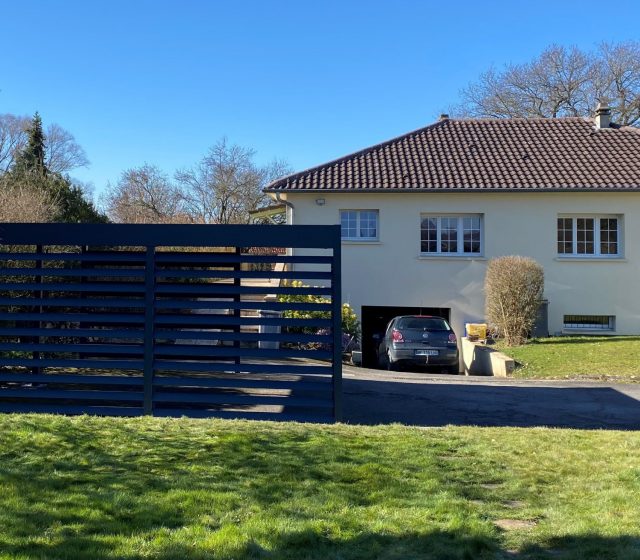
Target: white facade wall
{"x":392,"y":272}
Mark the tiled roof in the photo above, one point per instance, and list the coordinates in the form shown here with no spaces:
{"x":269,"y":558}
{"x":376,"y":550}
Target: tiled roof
{"x":486,"y":154}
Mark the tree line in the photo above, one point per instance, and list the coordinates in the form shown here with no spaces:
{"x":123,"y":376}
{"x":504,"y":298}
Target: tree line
{"x":222,"y":188}
{"x":560,"y":82}
{"x":35,"y":186}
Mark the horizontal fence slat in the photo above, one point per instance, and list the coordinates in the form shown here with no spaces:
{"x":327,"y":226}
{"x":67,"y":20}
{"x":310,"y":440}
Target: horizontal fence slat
{"x":110,"y":256}
{"x":303,"y":384}
{"x":171,"y":235}
{"x":164,"y":334}
{"x":94,"y":287}
{"x":214,"y":321}
{"x":73,"y":332}
{"x":73,"y":302}
{"x":241,"y":399}
{"x":71,"y":272}
{"x":218,"y":288}
{"x":224,"y":352}
{"x":202,"y":274}
{"x":74,"y":317}
{"x":77,"y":379}
{"x":71,"y":394}
{"x":194,"y":367}
{"x":73,"y":348}
{"x":69,"y":363}
{"x":207,"y":259}
{"x":257,"y":305}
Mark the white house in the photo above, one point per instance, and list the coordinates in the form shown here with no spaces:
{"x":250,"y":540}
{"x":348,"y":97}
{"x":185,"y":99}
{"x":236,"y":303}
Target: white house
{"x":421,"y":215}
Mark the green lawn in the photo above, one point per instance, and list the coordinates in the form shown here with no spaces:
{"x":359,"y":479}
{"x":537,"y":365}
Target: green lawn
{"x":88,"y":488}
{"x":585,"y":357}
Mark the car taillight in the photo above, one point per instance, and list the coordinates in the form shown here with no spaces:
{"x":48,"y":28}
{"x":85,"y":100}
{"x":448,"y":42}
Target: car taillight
{"x":396,"y":335}
{"x":452,"y":338}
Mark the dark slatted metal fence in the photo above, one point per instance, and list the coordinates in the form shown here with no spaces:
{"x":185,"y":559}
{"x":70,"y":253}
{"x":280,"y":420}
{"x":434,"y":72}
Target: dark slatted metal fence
{"x":171,"y":320}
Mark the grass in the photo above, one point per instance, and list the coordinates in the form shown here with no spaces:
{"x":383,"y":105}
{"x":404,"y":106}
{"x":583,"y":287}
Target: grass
{"x":92,"y":488}
{"x":604,"y":358}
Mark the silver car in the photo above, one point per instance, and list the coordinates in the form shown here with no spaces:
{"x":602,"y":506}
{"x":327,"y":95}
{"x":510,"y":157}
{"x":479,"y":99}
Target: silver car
{"x":419,"y":340}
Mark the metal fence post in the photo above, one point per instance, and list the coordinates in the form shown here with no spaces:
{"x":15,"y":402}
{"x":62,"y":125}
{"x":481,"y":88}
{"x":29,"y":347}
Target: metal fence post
{"x":336,"y":316}
{"x":39,"y":309}
{"x":237,"y":311}
{"x":149,"y":321}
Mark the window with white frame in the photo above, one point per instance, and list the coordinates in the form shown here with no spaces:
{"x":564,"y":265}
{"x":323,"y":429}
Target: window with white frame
{"x":359,"y":225}
{"x":589,"y":236}
{"x":451,"y":235}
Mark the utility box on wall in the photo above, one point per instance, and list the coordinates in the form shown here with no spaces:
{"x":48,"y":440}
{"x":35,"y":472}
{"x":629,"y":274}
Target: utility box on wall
{"x":541,"y":327}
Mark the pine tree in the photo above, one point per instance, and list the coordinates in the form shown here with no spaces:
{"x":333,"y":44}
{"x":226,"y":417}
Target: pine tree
{"x":31,"y":158}
{"x":30,"y":171}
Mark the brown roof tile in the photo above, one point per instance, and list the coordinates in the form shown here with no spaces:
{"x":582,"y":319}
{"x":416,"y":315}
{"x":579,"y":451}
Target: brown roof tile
{"x":486,"y":154}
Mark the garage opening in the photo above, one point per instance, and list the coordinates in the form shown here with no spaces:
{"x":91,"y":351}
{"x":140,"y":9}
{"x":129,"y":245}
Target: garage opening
{"x":375,"y":319}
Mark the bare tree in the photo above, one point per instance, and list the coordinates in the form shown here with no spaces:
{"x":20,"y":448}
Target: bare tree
{"x":561,"y":82}
{"x":617,"y":79}
{"x":13,"y":137}
{"x":226,"y":184}
{"x":63,"y":152}
{"x":144,"y":195}
{"x":23,"y":201}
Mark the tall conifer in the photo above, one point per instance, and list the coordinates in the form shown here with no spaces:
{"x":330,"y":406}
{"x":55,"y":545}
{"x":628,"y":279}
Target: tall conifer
{"x":30,"y":170}
{"x":31,"y":158}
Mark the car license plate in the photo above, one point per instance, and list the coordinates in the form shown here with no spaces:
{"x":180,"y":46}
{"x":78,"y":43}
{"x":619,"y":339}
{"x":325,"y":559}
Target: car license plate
{"x":426,"y":352}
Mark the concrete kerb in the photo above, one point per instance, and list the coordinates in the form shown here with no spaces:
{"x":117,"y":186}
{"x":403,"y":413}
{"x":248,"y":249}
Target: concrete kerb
{"x":479,"y":359}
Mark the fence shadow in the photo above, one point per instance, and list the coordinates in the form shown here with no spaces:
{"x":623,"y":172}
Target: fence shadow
{"x":436,"y":545}
{"x":441,"y":545}
{"x":375,"y":402}
{"x":582,"y":340}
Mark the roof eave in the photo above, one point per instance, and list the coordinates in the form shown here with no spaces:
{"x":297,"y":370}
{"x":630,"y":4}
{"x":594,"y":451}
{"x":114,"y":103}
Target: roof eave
{"x":455,"y":189}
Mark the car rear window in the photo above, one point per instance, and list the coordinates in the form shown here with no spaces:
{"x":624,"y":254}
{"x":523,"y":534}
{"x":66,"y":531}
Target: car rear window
{"x":423,"y":323}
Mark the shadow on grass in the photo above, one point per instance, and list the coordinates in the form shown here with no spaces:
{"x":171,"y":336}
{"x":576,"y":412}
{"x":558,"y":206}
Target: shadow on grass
{"x":590,"y":339}
{"x":374,"y":402}
{"x":311,"y":545}
{"x":442,"y":545}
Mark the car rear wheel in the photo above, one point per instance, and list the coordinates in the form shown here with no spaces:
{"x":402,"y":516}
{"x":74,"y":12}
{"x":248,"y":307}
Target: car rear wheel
{"x":391,"y":364}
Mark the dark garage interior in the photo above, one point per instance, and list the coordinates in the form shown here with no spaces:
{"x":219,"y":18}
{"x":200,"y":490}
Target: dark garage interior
{"x":375,"y":319}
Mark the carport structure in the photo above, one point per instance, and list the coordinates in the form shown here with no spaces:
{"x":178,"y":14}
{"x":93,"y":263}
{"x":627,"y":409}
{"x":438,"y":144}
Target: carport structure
{"x":170,"y":320}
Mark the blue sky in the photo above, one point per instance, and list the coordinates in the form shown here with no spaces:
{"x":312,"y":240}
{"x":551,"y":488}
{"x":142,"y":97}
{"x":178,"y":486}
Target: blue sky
{"x":161,"y":81}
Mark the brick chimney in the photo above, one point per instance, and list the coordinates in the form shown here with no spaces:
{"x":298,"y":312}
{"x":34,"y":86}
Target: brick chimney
{"x":603,"y":115}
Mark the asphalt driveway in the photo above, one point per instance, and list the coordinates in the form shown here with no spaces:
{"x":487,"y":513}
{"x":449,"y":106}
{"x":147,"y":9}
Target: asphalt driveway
{"x":381,"y":397}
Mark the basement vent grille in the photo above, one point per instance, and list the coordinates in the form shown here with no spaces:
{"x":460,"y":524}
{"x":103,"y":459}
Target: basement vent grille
{"x":590,"y":322}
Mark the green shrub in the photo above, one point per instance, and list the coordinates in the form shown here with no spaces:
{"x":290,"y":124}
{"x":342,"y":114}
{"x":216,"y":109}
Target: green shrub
{"x":350,"y":322}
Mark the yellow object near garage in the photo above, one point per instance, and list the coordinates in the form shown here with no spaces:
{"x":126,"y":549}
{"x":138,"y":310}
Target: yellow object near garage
{"x":476,"y":331}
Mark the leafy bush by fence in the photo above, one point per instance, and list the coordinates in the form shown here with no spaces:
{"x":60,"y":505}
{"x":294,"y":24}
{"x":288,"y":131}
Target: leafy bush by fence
{"x":350,"y":322}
